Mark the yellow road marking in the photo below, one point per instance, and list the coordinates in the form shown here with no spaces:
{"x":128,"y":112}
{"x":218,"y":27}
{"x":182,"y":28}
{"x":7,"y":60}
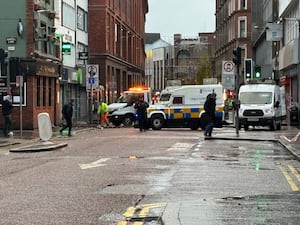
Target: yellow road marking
{"x":289,"y":179}
{"x":294,"y":171}
{"x":134,"y":223}
{"x":129,"y":212}
{"x":122,"y":223}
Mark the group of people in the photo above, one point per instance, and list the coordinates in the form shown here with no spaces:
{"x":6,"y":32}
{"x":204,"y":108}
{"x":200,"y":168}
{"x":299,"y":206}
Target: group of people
{"x":207,"y":119}
{"x":67,"y":113}
{"x":103,"y":109}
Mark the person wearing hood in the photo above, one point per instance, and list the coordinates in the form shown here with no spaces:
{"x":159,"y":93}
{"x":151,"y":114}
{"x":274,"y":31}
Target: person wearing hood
{"x":210,"y":110}
{"x":6,"y":112}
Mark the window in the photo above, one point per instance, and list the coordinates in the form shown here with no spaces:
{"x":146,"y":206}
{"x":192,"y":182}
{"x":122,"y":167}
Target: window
{"x":68,"y":18}
{"x":177,"y":100}
{"x":242,"y":28}
{"x":81,"y":19}
{"x":242,"y":4}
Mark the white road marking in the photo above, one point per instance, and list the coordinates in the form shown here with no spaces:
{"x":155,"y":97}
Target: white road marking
{"x":180,"y":147}
{"x":95,"y":164}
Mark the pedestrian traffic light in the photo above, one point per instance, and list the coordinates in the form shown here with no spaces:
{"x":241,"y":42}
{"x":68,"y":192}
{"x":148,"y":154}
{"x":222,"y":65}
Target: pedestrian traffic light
{"x":248,"y":69}
{"x":3,"y":62}
{"x":257,"y":72}
{"x":237,"y":56}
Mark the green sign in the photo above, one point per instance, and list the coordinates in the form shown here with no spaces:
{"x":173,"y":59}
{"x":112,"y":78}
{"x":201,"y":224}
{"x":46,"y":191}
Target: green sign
{"x":66,"y":48}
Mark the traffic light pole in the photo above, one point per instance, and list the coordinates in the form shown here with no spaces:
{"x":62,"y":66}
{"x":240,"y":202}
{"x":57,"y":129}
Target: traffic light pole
{"x":237,"y":102}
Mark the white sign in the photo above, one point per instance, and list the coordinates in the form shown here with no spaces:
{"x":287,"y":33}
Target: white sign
{"x":228,"y":75}
{"x":92,"y":77}
{"x":227,"y":67}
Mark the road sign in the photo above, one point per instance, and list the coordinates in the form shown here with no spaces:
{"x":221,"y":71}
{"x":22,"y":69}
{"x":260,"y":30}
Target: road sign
{"x":228,"y":67}
{"x":92,"y":77}
{"x":228,"y":75}
{"x":83,"y":55}
{"x":91,"y":80}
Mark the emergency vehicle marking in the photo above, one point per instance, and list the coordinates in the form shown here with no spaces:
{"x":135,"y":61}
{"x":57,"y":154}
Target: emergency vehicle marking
{"x":185,"y":113}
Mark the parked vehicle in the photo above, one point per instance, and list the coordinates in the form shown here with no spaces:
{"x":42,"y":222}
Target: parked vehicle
{"x":122,"y":111}
{"x":262,"y":104}
{"x":181,"y":106}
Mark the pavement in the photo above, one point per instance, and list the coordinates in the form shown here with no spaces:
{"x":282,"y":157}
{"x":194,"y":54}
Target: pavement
{"x":29,"y":141}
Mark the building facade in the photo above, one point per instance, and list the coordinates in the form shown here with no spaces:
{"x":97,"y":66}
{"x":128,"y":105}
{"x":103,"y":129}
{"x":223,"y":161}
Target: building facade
{"x":233,"y":29}
{"x":33,"y":58}
{"x":116,"y":43}
{"x":289,"y":66}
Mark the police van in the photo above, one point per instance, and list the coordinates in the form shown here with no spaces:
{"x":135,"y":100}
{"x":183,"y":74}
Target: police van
{"x":182,"y":106}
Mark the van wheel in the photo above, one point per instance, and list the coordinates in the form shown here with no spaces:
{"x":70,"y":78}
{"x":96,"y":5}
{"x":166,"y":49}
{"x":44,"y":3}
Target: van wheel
{"x":127,"y":121}
{"x":273,"y":125}
{"x":194,"y":126}
{"x":157,"y":122}
{"x":116,"y":123}
{"x":279,"y":126}
{"x":246,"y":127}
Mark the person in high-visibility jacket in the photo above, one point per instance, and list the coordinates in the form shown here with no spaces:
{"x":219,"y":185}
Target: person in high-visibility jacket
{"x":103,"y":114}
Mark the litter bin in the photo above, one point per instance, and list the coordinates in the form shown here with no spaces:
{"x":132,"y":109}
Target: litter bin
{"x":294,"y":120}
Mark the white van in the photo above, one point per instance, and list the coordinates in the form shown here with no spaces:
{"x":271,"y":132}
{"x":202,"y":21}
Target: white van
{"x":181,"y":106}
{"x":261,"y":104}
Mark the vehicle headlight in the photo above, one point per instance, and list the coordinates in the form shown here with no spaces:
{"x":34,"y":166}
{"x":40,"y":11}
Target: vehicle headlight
{"x":269,"y":111}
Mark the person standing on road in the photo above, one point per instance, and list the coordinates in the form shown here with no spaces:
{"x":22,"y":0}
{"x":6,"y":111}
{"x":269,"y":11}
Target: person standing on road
{"x":141,"y":109}
{"x":103,"y":114}
{"x":6,"y":112}
{"x":210,"y":110}
{"x":67,"y":112}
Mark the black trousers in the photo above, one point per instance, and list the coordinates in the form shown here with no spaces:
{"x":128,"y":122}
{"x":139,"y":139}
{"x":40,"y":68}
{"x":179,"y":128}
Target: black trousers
{"x":68,"y":125}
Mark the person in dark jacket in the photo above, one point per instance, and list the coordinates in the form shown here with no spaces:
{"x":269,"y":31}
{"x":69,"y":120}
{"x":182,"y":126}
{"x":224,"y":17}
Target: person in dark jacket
{"x":67,"y":112}
{"x":141,"y":109}
{"x":210,"y":110}
{"x":6,"y":112}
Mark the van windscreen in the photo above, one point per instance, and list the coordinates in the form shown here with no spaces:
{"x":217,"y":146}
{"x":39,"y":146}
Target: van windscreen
{"x":255,"y":97}
{"x":164,"y":97}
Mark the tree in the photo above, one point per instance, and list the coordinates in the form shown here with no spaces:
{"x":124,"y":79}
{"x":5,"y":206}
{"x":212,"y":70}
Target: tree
{"x":204,"y":68}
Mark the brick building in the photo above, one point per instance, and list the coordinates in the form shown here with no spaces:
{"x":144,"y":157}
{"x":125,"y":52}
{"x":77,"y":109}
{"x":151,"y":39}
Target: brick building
{"x":233,"y":29}
{"x":116,"y":43}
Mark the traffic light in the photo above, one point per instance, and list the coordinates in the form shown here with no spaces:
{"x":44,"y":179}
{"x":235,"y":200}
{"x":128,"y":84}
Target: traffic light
{"x":237,"y":56}
{"x":3,"y":62}
{"x":14,"y":68}
{"x":248,"y":69}
{"x":257,"y":72}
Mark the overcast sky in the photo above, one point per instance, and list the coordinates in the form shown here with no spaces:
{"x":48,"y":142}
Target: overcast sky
{"x":188,"y":17}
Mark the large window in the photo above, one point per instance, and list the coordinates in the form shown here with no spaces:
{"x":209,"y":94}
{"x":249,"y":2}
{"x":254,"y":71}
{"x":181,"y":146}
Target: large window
{"x":68,"y":18}
{"x":81,"y":19}
{"x":242,"y":4}
{"x":242,"y":28}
